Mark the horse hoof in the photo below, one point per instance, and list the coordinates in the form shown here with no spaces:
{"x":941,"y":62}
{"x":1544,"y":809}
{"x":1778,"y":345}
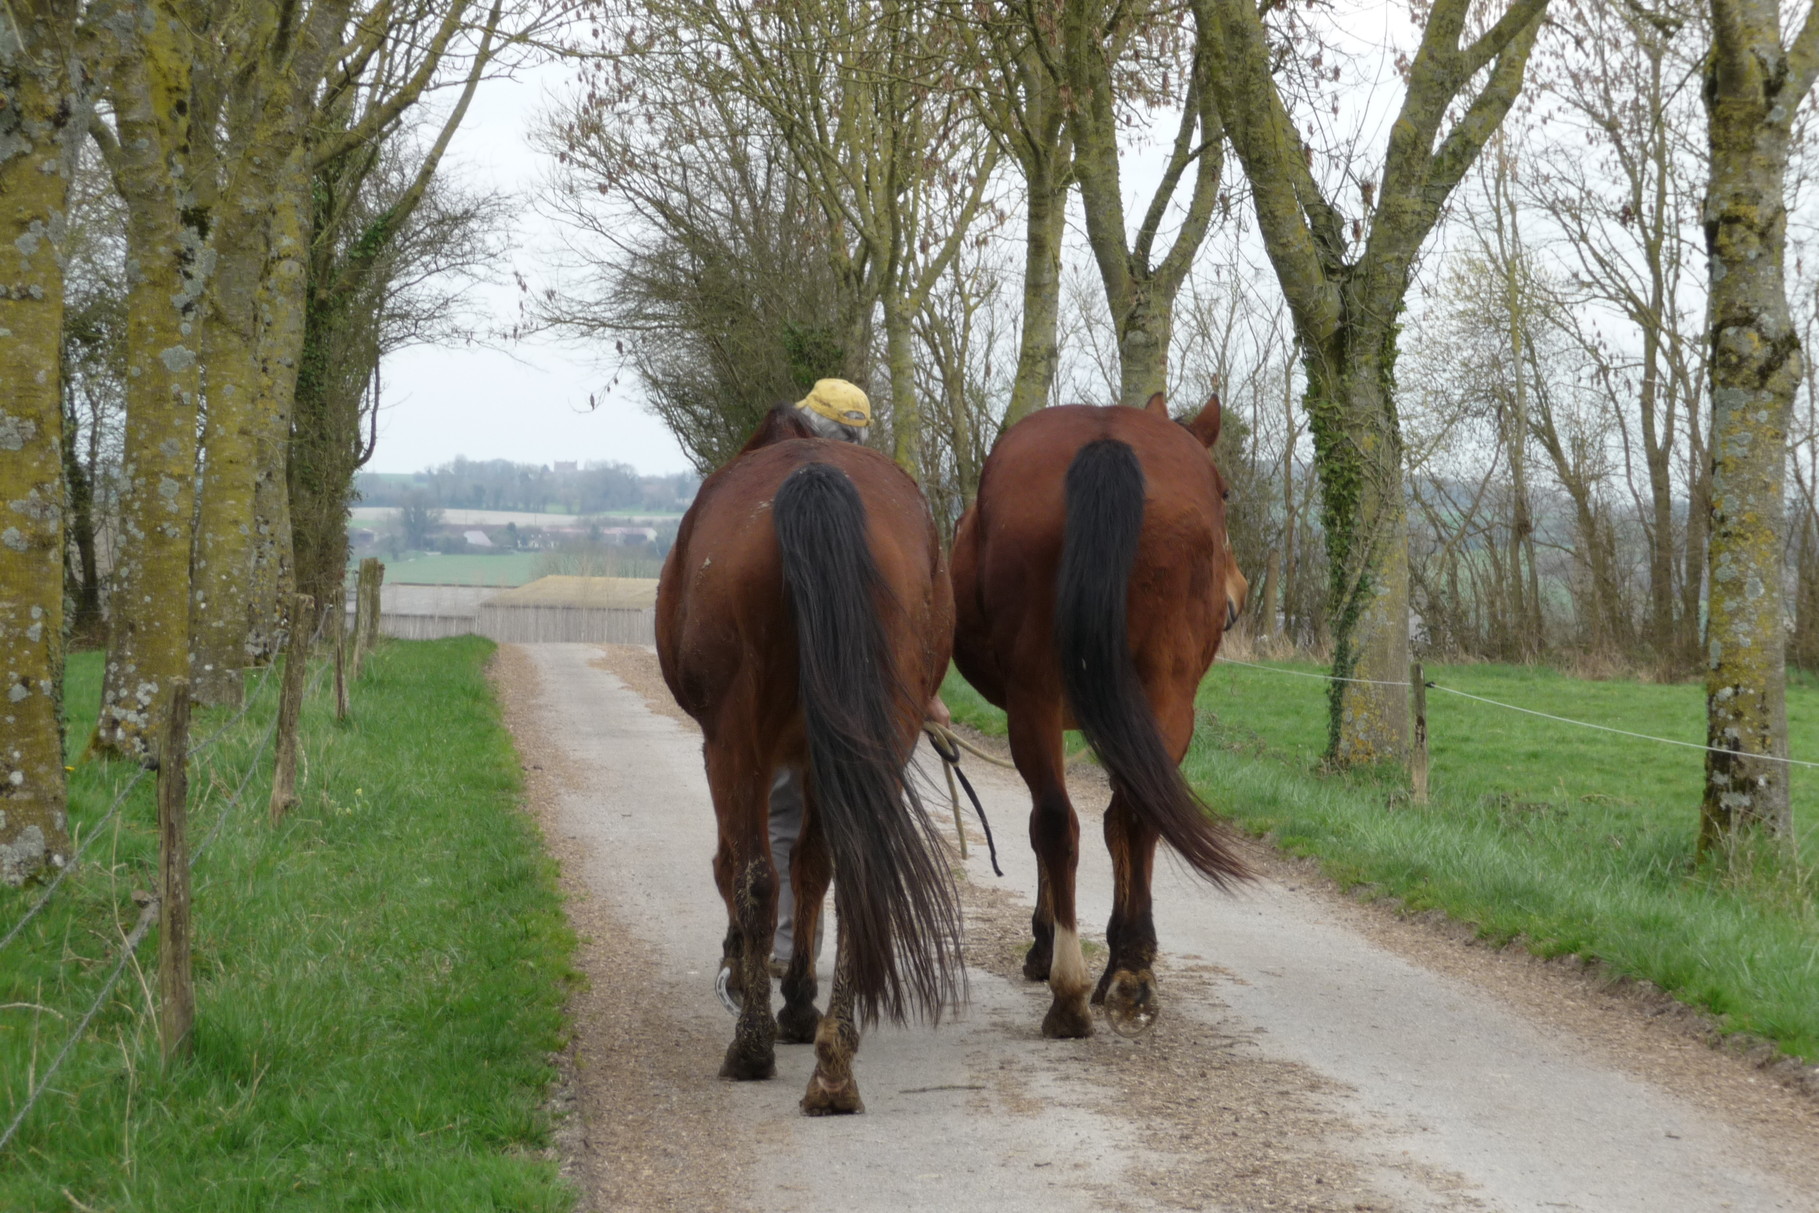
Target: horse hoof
{"x":1035,"y":963}
{"x":1068,"y":1020}
{"x":824,"y":1100}
{"x":797,"y":1025}
{"x":748,"y":1065}
{"x":729,"y":988}
{"x":1131,"y":1004}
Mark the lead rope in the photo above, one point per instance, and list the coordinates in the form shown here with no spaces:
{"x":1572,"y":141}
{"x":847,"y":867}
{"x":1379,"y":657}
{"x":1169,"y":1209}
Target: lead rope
{"x":947,"y":745}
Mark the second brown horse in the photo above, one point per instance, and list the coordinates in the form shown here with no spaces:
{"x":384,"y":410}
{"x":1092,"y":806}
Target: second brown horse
{"x":1093,"y":581}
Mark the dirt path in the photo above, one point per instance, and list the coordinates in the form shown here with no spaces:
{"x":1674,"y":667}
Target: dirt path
{"x":1312,"y":1054}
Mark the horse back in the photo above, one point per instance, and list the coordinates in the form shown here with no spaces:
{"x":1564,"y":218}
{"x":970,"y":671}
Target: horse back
{"x":722,"y":606}
{"x":1008,"y":547}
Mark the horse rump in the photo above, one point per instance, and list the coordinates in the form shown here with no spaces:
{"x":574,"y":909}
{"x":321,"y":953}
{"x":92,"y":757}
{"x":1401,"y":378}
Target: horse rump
{"x":1105,"y":504}
{"x":893,"y":892}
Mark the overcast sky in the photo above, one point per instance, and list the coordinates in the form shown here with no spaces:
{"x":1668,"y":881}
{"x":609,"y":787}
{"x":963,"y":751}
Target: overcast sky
{"x":528,"y":403}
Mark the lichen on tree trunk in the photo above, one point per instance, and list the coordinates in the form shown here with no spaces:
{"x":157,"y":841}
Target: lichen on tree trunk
{"x":1753,"y":87}
{"x":222,"y":573}
{"x":281,"y":303}
{"x":36,"y":105}
{"x":167,"y":265}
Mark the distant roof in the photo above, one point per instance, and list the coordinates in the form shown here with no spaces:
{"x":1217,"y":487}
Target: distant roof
{"x":581,"y":592}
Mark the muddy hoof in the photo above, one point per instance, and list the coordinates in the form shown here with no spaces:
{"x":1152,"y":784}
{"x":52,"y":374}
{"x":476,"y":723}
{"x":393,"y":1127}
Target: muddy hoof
{"x":1035,"y":963}
{"x":748,"y":1065}
{"x":1132,"y":1004}
{"x":796,"y":1025}
{"x":1068,"y":1020}
{"x":824,"y":1100}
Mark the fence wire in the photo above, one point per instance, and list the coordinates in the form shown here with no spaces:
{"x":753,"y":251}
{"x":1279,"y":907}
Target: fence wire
{"x":149,"y":912}
{"x":100,"y":824}
{"x":1512,"y":707}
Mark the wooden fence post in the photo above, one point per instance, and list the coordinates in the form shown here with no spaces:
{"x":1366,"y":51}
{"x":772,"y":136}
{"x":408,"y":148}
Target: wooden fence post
{"x":362,"y":604}
{"x":177,"y":997}
{"x":1418,"y":758}
{"x":290,"y":708}
{"x":378,"y":591}
{"x":340,"y":609}
{"x":366,"y":615}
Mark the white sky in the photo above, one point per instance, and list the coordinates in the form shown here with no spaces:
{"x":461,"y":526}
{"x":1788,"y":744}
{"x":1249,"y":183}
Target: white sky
{"x":527,"y":402}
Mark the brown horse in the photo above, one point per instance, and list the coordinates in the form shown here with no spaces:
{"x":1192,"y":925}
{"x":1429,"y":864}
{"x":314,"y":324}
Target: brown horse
{"x":1093,"y":581}
{"x":804,"y":617}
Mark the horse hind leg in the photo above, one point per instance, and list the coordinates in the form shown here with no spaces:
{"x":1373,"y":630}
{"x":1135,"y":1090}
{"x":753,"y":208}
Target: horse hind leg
{"x":752,"y":1053}
{"x":1041,"y":954}
{"x":1128,"y":986}
{"x":832,"y":1089}
{"x":810,"y":871}
{"x":1035,"y":729}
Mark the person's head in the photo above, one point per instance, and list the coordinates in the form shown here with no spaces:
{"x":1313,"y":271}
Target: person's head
{"x":836,"y":409}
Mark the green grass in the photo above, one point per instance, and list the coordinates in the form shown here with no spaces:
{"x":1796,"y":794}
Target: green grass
{"x":512,"y":568}
{"x":379,"y":980}
{"x":1568,"y":840}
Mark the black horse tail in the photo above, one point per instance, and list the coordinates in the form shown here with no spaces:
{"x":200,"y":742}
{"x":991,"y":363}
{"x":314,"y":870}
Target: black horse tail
{"x":1105,"y":490}
{"x":893,"y":889}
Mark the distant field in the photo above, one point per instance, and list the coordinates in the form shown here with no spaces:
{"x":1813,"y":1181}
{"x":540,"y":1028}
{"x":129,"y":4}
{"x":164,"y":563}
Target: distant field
{"x":1569,"y":840}
{"x":379,"y":514}
{"x":511,"y":570}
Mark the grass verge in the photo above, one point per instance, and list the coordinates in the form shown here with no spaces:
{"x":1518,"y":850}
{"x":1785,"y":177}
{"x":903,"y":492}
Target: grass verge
{"x":379,"y":980}
{"x":1571,"y":841}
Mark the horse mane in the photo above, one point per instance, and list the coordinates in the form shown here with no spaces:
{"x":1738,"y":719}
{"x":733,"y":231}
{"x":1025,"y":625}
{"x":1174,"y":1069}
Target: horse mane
{"x":781,"y":424}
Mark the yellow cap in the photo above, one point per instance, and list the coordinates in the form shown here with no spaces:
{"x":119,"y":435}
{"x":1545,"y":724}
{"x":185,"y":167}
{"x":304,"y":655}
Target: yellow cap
{"x":838,"y":400}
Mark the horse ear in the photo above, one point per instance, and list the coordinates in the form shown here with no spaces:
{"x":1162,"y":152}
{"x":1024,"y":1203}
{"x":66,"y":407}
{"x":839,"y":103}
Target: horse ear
{"x":1157,"y":405}
{"x":1206,"y":425}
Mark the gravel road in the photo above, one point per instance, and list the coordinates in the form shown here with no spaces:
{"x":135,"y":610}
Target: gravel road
{"x":1312,"y":1054}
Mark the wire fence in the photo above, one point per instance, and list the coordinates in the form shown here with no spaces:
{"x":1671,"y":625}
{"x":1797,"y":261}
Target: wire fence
{"x":94,"y":831}
{"x":149,"y":906}
{"x":1512,"y":707}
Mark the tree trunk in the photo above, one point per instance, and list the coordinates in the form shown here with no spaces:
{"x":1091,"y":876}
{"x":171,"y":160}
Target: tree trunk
{"x":1698,"y":518}
{"x":1803,"y":650}
{"x":906,"y":413}
{"x":1655,"y":451}
{"x":166,"y":233}
{"x":224,"y":542}
{"x":1752,"y":90}
{"x":1143,"y":337}
{"x":1140,"y":287}
{"x":282,"y":300}
{"x":1358,"y":449}
{"x":80,"y":571}
{"x":35,"y":165}
{"x":1289,"y":430}
{"x":1037,"y":352}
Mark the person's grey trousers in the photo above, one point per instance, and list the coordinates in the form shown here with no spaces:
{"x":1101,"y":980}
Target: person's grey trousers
{"x":786,"y":827}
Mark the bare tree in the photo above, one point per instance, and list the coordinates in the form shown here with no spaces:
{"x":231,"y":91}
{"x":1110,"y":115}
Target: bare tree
{"x":1755,"y":83}
{"x":1346,"y":306}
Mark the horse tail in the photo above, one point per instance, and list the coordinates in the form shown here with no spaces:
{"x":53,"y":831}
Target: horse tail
{"x":893,"y":889}
{"x":1105,"y":491}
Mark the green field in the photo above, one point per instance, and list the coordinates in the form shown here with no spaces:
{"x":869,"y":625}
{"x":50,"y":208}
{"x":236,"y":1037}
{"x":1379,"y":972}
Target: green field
{"x":379,"y":980}
{"x":1567,"y":840}
{"x":515,"y":568}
